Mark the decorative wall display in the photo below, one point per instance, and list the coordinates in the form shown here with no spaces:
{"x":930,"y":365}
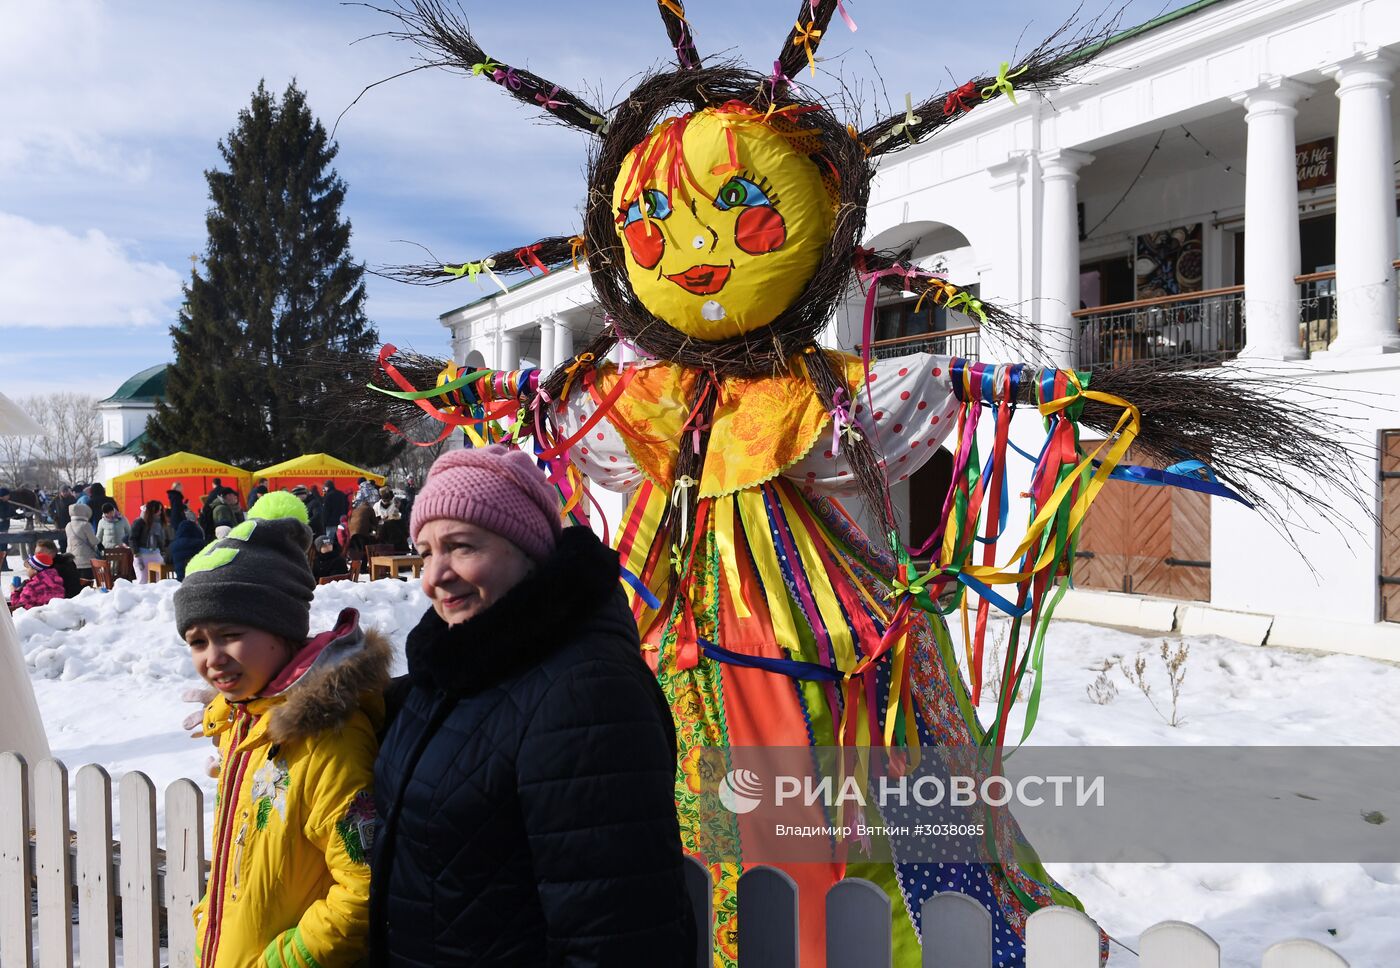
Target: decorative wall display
{"x":1317,"y":163}
{"x":1169,"y":262}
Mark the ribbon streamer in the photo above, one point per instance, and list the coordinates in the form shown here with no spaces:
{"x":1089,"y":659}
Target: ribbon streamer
{"x":678,"y":499}
{"x":528,"y":257}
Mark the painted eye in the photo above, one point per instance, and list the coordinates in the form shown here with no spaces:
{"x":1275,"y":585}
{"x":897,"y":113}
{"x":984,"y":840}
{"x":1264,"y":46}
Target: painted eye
{"x":658,"y":207}
{"x":740,"y":191}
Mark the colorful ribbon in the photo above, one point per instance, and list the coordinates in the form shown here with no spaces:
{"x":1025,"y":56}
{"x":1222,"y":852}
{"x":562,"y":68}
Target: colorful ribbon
{"x":507,"y":77}
{"x":963,"y":99}
{"x":777,"y":78}
{"x":1003,"y":83}
{"x":841,"y":423}
{"x":678,"y":499}
{"x":487,"y":66}
{"x":805,"y":38}
{"x":576,"y":245}
{"x":547,"y":101}
{"x":528,"y":257}
{"x":968,"y":305}
{"x":473,"y":269}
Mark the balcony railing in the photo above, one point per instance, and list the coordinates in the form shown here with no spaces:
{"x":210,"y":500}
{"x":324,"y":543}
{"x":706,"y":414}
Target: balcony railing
{"x":948,"y":342}
{"x":1317,"y":310}
{"x":1205,"y":327}
{"x":1202,"y":327}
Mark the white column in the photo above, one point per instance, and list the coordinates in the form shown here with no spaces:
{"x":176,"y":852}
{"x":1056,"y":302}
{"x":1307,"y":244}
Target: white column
{"x":563,"y":341}
{"x":1009,"y":276}
{"x":508,"y":352}
{"x":1271,"y":257}
{"x":547,"y":357}
{"x":1059,"y":253}
{"x":1365,"y":206}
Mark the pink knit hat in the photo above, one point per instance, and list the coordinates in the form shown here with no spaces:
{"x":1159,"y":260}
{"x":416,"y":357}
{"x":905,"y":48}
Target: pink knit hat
{"x":497,"y":488}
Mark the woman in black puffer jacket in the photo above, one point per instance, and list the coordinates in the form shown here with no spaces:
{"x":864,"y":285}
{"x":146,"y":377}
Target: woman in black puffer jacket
{"x":525,"y":789}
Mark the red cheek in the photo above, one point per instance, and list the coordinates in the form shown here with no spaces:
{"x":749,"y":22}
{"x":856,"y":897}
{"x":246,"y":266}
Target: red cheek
{"x":759,"y":230}
{"x":645,"y":240}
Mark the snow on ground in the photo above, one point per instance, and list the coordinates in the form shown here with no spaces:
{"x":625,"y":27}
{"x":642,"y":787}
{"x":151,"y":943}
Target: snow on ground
{"x":1232,"y":695}
{"x":109,"y":671}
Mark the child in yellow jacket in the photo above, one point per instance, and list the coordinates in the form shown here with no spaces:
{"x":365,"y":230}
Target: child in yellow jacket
{"x":295,"y":720}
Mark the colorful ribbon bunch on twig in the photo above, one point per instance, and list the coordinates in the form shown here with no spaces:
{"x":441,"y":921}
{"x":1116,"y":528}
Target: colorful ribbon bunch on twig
{"x":1063,"y":485}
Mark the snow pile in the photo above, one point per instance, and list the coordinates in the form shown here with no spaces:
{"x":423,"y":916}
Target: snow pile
{"x":129,"y":632}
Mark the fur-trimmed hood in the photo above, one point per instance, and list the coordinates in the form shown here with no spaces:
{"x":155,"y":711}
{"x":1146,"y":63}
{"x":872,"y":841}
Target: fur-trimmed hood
{"x":327,"y":679}
{"x":335,"y":673}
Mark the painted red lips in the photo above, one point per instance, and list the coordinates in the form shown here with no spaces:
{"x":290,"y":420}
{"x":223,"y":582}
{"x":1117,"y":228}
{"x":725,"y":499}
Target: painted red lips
{"x":702,"y":280}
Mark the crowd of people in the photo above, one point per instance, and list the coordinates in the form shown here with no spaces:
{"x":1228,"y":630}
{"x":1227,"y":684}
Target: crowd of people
{"x":88,"y":524}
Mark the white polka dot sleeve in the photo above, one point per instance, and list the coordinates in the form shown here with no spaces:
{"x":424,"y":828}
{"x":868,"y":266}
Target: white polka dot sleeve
{"x":600,"y":454}
{"x":914,"y":410}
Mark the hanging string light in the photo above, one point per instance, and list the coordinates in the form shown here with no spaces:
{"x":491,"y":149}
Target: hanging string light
{"x":1212,"y":155}
{"x":1122,"y":198}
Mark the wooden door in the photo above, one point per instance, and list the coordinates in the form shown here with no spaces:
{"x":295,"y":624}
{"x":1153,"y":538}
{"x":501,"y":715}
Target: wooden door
{"x":1150,"y":540}
{"x":1390,"y":526}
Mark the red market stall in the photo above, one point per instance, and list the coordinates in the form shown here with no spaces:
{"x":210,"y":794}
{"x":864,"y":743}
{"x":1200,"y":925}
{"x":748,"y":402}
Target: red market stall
{"x":314,"y":470}
{"x":196,"y":475}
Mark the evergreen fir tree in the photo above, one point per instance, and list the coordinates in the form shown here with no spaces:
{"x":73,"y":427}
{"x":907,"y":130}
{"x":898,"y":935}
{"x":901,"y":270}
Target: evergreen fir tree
{"x":278,"y":286}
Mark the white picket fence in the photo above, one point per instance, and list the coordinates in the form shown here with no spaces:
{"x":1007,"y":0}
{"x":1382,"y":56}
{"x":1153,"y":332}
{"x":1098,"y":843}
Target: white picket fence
{"x":75,"y":865}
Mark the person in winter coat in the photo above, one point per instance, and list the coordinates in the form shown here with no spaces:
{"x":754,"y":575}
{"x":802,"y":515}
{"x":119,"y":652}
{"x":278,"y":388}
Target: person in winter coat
{"x":97,"y":496}
{"x":387,"y":502}
{"x":44,"y":584}
{"x":176,"y":498}
{"x":63,"y":564}
{"x":367,"y":493}
{"x":60,"y":510}
{"x":112,"y":530}
{"x":295,"y":720}
{"x":363,"y":523}
{"x":334,"y":506}
{"x":82,"y":539}
{"x":186,"y":544}
{"x":149,"y":538}
{"x":526,"y":785}
{"x":393,"y":530}
{"x":225,"y":512}
{"x":312,"y":500}
{"x":330,"y":560}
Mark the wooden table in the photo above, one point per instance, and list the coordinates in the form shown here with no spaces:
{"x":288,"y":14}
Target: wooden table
{"x":159,"y":570}
{"x":389,"y":566}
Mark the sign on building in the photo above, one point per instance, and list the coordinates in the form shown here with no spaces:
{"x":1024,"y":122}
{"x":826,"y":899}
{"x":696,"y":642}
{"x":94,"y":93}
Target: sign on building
{"x":1317,"y":163}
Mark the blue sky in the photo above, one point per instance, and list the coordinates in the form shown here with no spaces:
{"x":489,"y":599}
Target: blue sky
{"x":110,"y":113}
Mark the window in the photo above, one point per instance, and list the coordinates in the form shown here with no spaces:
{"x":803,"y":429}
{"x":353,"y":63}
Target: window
{"x":1389,"y":557}
{"x":900,"y":318}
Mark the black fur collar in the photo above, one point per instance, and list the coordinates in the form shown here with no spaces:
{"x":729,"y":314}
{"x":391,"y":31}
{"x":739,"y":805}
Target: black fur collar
{"x":533,"y":619}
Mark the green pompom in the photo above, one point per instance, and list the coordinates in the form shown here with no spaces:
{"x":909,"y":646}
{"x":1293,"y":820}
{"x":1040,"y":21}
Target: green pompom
{"x":279,"y":504}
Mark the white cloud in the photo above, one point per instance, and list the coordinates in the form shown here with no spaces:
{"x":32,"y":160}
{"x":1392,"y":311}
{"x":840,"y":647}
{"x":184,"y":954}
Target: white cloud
{"x":51,"y":277}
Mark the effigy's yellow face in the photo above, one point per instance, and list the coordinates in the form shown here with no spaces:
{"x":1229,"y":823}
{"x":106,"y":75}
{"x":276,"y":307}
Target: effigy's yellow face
{"x":723,"y":220}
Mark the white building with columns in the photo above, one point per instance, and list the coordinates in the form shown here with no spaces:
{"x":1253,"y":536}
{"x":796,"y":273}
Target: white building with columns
{"x":1220,"y":184}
